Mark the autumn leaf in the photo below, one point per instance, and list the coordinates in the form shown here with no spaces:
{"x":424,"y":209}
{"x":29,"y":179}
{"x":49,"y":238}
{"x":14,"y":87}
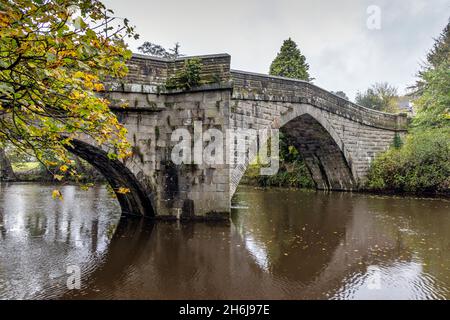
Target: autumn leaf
{"x":57,"y":194}
{"x":123,"y":190}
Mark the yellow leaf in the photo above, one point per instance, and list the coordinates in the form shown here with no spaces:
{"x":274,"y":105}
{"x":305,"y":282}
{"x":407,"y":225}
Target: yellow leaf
{"x":57,"y":194}
{"x":123,"y":190}
{"x":99,"y":87}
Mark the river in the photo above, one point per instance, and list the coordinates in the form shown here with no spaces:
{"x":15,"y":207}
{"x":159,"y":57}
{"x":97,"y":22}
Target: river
{"x":280,"y":244}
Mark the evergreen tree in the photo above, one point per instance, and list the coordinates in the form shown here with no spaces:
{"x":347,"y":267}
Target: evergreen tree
{"x":290,"y":62}
{"x":441,"y":49}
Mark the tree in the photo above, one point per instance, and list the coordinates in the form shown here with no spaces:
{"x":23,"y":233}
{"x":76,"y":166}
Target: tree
{"x":422,"y":162}
{"x":341,"y":94}
{"x":290,"y":62}
{"x":433,"y":104}
{"x":293,"y":172}
{"x":6,"y":170}
{"x":440,"y":53}
{"x":441,"y":49}
{"x":380,"y":96}
{"x":54,"y":57}
{"x":433,"y":87}
{"x":157,"y":50}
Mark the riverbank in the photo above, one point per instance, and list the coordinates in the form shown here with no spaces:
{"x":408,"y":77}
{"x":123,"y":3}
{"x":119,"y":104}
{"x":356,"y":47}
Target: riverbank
{"x":34,"y":172}
{"x":389,"y":193}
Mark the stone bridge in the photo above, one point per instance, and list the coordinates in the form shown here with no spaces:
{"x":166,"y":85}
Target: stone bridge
{"x":338,"y":139}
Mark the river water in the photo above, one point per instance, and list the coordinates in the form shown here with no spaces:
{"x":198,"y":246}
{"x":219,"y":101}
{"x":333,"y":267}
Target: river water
{"x":280,"y":244}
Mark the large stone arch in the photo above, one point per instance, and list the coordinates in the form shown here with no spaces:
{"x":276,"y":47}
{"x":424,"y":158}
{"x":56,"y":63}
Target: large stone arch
{"x":138,"y":201}
{"x":325,"y":154}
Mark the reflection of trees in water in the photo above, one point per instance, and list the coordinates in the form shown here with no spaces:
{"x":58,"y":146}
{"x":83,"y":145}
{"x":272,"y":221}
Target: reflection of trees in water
{"x":299,"y":230}
{"x":177,"y":260}
{"x":2,"y":225}
{"x":42,"y":236}
{"x":128,"y":243}
{"x":317,"y":239}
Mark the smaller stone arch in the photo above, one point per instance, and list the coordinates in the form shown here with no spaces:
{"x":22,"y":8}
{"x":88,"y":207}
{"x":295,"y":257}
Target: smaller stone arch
{"x":138,"y":201}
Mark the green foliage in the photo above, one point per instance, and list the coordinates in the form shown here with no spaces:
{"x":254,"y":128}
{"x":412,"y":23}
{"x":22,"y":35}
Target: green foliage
{"x":439,"y":54}
{"x":25,"y":166}
{"x":291,"y":175}
{"x":380,"y":96}
{"x":441,"y":49}
{"x":292,"y":172}
{"x":422,"y":164}
{"x":290,"y":62}
{"x":433,"y":105}
{"x":54,"y":59}
{"x":187,"y":77}
{"x":398,"y":143}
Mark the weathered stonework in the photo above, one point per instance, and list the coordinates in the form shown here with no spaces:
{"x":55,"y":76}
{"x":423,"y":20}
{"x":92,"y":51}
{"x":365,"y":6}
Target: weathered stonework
{"x":337,"y":138}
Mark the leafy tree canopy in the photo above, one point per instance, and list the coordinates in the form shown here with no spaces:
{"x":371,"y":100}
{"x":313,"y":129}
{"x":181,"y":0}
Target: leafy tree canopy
{"x":433,"y":88}
{"x":290,"y":62}
{"x":54,"y":57}
{"x":380,"y":96}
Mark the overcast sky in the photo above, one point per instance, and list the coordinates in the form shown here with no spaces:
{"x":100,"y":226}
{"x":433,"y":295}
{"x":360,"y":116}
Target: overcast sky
{"x":343,"y":53}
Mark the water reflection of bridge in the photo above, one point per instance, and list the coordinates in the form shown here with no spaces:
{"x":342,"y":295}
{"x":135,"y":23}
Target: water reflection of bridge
{"x":307,"y":254}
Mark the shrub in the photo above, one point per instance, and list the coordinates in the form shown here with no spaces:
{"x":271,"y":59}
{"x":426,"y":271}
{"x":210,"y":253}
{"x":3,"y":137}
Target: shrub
{"x":422,"y":164}
{"x":187,"y":77}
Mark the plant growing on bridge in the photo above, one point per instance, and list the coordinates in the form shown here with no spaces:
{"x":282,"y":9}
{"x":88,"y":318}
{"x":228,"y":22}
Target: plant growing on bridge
{"x":54,"y":57}
{"x":187,"y":77}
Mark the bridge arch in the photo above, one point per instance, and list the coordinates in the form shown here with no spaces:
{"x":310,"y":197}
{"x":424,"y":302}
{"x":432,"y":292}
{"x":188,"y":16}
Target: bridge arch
{"x":138,"y":200}
{"x":323,"y":149}
{"x":325,"y":153}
